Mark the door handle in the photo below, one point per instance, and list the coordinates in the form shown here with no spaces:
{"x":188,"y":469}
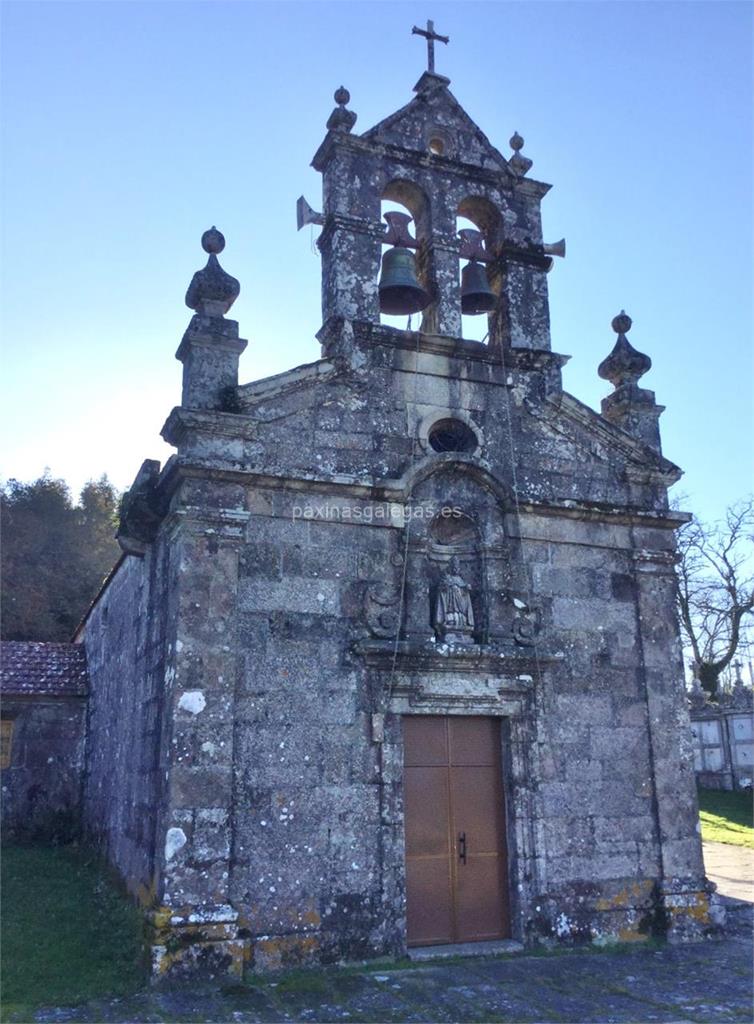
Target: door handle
{"x":462,"y":846}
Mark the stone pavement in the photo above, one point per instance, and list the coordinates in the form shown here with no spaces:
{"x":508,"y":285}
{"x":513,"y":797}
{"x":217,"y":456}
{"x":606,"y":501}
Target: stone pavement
{"x":731,"y":868}
{"x":709,"y":981}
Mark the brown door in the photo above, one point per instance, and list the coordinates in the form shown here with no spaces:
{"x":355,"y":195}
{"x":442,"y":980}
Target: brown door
{"x":456,"y":873}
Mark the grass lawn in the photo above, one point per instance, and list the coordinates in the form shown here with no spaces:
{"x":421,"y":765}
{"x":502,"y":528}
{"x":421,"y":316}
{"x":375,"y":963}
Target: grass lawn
{"x":727,"y":817}
{"x":67,"y":934}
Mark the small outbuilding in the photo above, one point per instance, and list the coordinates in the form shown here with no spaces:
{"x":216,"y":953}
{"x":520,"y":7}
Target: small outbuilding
{"x":43,"y":720}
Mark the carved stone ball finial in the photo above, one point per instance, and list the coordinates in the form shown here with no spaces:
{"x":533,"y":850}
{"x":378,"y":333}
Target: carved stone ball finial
{"x":624,"y":365}
{"x":519,"y":163}
{"x":341,"y":120}
{"x":213,"y":240}
{"x":212,"y":292}
{"x":621,"y":323}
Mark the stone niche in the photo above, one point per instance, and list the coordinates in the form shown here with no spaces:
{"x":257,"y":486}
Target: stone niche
{"x":457,"y":526}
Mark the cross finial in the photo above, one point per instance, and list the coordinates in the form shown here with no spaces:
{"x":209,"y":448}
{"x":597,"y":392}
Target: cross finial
{"x":430,"y":35}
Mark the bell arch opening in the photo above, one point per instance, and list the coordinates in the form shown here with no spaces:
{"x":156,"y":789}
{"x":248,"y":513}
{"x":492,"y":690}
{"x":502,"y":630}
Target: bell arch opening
{"x":405,"y":278}
{"x":478,"y":223}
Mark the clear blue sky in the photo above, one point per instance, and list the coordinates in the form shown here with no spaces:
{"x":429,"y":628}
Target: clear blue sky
{"x":131,"y":127}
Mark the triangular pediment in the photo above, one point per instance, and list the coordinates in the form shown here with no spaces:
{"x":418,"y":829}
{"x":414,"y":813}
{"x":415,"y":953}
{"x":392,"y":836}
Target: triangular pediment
{"x":435,"y":114}
{"x":579,"y":432}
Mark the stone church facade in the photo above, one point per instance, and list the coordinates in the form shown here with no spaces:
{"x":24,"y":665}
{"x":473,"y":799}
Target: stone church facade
{"x":391,"y":656}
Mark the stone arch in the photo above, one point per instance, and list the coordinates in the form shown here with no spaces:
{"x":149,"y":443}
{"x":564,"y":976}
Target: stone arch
{"x":471,"y":465}
{"x":483,"y":215}
{"x":411,"y":195}
{"x":413,"y":199}
{"x":486,"y":216}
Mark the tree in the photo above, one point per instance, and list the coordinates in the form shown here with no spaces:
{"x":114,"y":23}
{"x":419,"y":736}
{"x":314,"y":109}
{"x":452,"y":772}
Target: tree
{"x":54,"y":554}
{"x":715,"y":590}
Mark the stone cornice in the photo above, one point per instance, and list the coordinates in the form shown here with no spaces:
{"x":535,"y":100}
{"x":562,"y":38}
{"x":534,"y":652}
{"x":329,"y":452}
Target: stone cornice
{"x":518,"y":664}
{"x":625,"y":515}
{"x":370,"y":335}
{"x":501,"y":177}
{"x":224,"y":424}
{"x":398,"y":491}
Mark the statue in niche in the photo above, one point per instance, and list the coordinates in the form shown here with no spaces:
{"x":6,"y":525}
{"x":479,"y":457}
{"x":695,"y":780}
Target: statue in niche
{"x":453,"y":618}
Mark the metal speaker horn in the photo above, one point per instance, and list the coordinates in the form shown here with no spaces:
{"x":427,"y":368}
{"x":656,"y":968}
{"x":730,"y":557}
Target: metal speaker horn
{"x":400,"y":291}
{"x":476,"y":294}
{"x":306,"y":215}
{"x":555,"y":248}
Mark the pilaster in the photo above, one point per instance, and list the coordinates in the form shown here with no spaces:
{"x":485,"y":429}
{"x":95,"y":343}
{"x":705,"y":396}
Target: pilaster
{"x":523,"y":318}
{"x":350,"y":249}
{"x":684,"y":891}
{"x":195,"y":926}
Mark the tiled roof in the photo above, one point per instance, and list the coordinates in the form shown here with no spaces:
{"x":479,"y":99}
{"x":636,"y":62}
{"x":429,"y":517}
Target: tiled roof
{"x":28,"y":667}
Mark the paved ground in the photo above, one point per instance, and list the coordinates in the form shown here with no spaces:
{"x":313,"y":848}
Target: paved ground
{"x":705,"y":982}
{"x":710,"y":982}
{"x":731,"y":868}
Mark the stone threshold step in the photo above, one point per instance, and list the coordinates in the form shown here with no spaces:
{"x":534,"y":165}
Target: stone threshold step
{"x":494,"y":948}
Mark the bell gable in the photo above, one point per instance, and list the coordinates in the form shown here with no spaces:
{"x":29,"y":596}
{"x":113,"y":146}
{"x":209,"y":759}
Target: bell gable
{"x":435,"y":122}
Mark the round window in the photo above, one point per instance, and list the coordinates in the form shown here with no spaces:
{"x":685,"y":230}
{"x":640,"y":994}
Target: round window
{"x":452,"y":436}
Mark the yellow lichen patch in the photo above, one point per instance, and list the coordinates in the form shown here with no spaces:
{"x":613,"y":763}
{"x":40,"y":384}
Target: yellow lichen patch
{"x":697,"y":908}
{"x":633,"y":895}
{"x":146,"y":894}
{"x":161,"y":918}
{"x":312,"y":918}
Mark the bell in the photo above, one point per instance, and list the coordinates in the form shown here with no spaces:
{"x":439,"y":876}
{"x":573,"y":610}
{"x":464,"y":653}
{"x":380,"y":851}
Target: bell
{"x":400,"y":291}
{"x":476,"y":294}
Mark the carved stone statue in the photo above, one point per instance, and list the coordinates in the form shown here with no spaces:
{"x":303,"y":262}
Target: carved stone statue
{"x":453,"y":619}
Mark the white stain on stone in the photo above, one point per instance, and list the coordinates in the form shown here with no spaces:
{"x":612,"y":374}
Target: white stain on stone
{"x":193,"y":701}
{"x":175,"y":838}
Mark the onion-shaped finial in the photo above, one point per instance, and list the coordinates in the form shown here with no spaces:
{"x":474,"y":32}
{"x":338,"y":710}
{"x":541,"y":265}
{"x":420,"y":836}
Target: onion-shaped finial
{"x":341,"y":120}
{"x":624,"y":365}
{"x":212,"y":292}
{"x":519,"y":163}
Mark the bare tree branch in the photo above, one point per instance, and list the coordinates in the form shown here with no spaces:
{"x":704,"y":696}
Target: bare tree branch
{"x":715,"y":589}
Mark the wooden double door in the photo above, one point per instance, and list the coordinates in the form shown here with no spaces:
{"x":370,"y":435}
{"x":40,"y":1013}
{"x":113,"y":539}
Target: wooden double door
{"x":456,"y":870}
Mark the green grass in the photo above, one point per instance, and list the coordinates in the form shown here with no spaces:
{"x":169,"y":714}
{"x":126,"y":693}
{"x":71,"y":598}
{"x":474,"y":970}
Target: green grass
{"x":68,"y":935}
{"x":727,"y":817}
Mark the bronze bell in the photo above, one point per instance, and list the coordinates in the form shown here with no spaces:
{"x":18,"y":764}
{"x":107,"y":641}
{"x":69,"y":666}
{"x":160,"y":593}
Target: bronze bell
{"x":476,"y":294}
{"x":400,"y":291}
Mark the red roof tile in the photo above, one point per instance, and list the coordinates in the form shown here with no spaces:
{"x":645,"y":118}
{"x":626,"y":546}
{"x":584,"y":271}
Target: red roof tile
{"x":27,"y":667}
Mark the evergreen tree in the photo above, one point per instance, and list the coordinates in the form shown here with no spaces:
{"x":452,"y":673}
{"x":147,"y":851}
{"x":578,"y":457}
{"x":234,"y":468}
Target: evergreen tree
{"x":54,"y":554}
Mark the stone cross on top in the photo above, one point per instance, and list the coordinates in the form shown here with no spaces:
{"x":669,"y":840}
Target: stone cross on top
{"x":430,"y":35}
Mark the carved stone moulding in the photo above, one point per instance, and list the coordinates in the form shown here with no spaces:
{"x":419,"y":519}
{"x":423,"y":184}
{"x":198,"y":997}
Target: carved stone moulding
{"x":495,"y":659}
{"x":464,"y":695}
